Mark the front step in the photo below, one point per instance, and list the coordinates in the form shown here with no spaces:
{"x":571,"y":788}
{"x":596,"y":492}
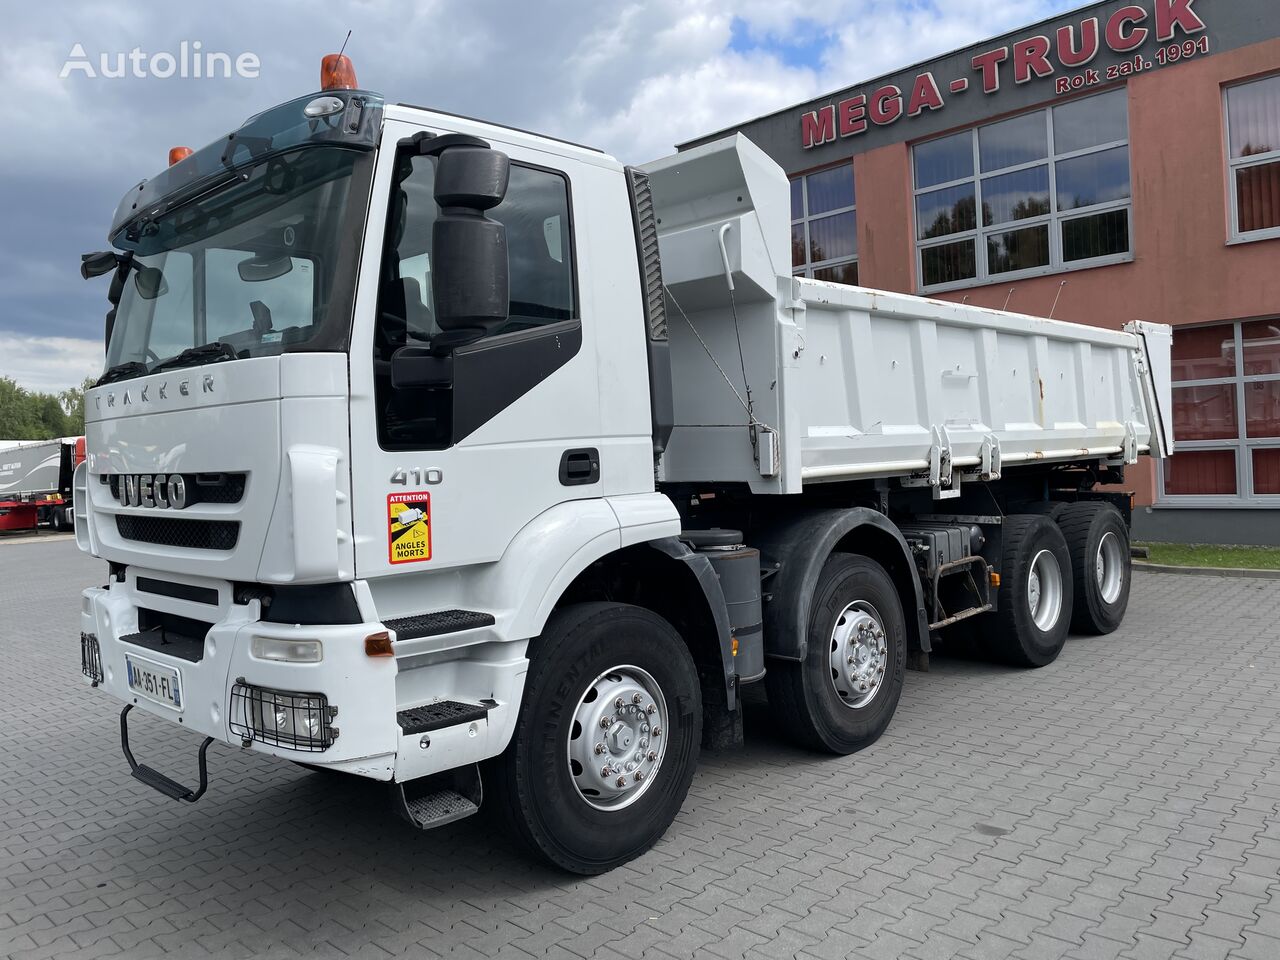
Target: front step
{"x":441,"y":798}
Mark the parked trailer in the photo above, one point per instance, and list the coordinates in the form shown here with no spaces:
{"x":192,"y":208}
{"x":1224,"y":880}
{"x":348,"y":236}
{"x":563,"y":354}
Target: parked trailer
{"x":495,"y":470}
{"x":35,"y":483}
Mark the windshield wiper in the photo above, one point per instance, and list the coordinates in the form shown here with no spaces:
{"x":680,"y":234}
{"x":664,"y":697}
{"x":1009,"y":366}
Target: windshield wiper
{"x":205,"y":353}
{"x":123,"y":371}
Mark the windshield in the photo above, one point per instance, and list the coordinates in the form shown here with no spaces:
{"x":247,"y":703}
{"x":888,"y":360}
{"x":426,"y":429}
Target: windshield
{"x":262,"y":263}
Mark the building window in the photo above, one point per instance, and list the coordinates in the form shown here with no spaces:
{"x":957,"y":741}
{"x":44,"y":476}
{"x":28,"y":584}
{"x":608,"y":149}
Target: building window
{"x":1253,"y":139}
{"x":824,"y":226}
{"x":1226,"y":416}
{"x":1035,"y":194}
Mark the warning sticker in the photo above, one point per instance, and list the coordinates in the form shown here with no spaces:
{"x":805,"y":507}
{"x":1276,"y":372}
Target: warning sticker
{"x":409,"y":527}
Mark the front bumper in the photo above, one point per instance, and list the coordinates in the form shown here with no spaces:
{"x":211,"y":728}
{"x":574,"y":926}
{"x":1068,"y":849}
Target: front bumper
{"x":358,"y":691}
{"x":348,"y":710}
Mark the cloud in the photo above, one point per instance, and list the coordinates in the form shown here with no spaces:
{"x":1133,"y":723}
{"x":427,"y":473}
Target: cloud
{"x":631,"y":77}
{"x":49,"y":364}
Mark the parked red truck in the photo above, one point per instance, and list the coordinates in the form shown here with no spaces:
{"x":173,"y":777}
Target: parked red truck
{"x":35,"y":483}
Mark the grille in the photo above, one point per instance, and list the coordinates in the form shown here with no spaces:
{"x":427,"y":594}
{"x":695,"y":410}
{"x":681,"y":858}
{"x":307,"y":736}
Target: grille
{"x":90,"y":658}
{"x":175,"y":532}
{"x":201,"y":487}
{"x":282,"y":718}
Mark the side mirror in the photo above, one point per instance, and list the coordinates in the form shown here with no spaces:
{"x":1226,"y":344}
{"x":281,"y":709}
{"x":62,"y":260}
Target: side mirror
{"x":470,"y":271}
{"x":420,"y":367}
{"x":98,"y":264}
{"x":150,"y":282}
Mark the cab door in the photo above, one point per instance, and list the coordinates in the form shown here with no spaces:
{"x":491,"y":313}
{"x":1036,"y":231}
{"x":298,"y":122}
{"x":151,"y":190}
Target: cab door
{"x":446,"y":474}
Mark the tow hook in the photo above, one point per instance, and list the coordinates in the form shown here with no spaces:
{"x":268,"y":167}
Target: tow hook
{"x":154,"y":778}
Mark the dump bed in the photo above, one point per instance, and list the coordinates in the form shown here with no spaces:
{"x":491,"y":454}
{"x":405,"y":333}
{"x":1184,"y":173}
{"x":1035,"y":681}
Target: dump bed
{"x":782,"y":381}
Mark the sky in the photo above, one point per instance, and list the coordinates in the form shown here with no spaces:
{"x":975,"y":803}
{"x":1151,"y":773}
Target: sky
{"x":631,"y":78}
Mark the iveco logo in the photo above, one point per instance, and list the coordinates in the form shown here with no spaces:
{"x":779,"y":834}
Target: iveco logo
{"x":153,"y":490}
{"x":162,"y":392}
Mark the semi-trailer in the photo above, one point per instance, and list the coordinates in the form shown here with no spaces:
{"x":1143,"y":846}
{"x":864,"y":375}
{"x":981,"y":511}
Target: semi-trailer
{"x":35,"y":483}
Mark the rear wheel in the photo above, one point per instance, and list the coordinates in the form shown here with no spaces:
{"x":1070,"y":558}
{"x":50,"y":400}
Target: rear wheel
{"x":606,"y":740}
{"x":1033,"y":611}
{"x":1099,"y":545}
{"x":841,"y":697}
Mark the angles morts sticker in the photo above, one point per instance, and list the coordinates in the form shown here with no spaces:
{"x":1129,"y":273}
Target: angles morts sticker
{"x":409,"y":527}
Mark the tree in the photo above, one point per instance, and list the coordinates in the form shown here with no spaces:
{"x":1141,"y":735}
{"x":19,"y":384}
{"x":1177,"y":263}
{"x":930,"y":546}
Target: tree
{"x":31,"y":415}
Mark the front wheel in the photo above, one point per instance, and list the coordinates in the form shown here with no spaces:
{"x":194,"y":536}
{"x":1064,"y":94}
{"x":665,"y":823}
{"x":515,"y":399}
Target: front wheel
{"x":606,"y":740}
{"x":841,"y":697}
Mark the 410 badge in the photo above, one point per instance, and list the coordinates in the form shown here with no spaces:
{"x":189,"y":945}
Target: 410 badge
{"x":409,"y":527}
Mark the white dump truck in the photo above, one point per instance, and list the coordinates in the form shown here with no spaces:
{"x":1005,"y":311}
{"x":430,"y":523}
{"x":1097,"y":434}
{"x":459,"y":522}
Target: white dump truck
{"x":473,"y":461}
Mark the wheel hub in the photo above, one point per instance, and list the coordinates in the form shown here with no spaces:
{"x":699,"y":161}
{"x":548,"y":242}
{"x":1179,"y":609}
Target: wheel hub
{"x":1110,"y":567}
{"x":618,"y":738}
{"x":1044,"y":590}
{"x":859,"y":654}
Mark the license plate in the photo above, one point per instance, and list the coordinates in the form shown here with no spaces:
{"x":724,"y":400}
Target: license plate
{"x":154,"y":681}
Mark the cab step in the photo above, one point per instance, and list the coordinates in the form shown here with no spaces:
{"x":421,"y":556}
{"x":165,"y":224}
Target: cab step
{"x":438,"y":624}
{"x":441,"y":798}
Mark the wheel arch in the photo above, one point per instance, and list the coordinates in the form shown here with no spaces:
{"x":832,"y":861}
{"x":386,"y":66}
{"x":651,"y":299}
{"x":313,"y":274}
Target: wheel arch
{"x":797,"y":548}
{"x":668,"y":578}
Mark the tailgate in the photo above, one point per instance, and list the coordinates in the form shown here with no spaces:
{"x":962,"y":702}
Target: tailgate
{"x":1157,"y":381}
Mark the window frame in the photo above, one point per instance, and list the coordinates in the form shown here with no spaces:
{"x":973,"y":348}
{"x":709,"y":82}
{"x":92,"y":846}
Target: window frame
{"x":1055,"y":219}
{"x":1242,"y":446}
{"x":808,"y":267}
{"x":572,"y":247}
{"x":1236,"y":164}
{"x":566,"y":334}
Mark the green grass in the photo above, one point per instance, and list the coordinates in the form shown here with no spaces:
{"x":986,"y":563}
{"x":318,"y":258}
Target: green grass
{"x":1210,"y":555}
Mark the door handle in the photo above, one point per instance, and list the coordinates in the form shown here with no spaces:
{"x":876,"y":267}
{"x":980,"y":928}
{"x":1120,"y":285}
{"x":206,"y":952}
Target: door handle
{"x":580,"y":466}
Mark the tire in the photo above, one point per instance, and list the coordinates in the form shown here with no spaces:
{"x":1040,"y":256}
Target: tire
{"x":817,"y":704}
{"x":1098,"y":542}
{"x":561,"y":807}
{"x":1013,"y":634}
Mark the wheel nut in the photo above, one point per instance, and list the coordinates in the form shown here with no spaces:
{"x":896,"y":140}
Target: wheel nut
{"x":639,"y":775}
{"x":653,"y":755}
{"x":621,"y":781}
{"x":651,"y":709}
{"x":600,"y":748}
{"x":617,"y":704}
{"x":636,"y":698}
{"x":606,"y":771}
{"x":606,"y":722}
{"x":657,"y":731}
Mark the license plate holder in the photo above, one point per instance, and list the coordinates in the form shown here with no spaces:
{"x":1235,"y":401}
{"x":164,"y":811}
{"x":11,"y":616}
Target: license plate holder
{"x":154,"y":681}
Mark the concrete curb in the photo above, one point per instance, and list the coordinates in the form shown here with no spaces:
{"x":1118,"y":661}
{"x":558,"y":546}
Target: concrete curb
{"x":1208,"y":571}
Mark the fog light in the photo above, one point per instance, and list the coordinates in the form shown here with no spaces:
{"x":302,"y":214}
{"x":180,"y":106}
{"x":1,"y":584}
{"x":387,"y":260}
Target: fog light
{"x":90,"y":658}
{"x":299,"y":721}
{"x":289,"y":651}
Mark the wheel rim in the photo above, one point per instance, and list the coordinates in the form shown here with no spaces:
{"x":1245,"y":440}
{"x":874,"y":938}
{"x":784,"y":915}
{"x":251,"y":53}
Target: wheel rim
{"x":859,"y":654}
{"x":1110,"y":568}
{"x":618,"y":737}
{"x":1044,"y":590}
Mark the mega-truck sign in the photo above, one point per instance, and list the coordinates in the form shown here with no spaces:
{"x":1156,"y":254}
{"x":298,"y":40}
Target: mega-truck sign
{"x":1062,"y":56}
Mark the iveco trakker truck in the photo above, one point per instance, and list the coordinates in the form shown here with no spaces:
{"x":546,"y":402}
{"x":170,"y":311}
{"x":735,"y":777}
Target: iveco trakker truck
{"x":473,"y":461}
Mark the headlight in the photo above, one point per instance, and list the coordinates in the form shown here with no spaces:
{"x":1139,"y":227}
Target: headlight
{"x":282,"y":718}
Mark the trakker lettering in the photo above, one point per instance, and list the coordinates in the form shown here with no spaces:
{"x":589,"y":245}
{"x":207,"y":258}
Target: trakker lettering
{"x":1062,"y":55}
